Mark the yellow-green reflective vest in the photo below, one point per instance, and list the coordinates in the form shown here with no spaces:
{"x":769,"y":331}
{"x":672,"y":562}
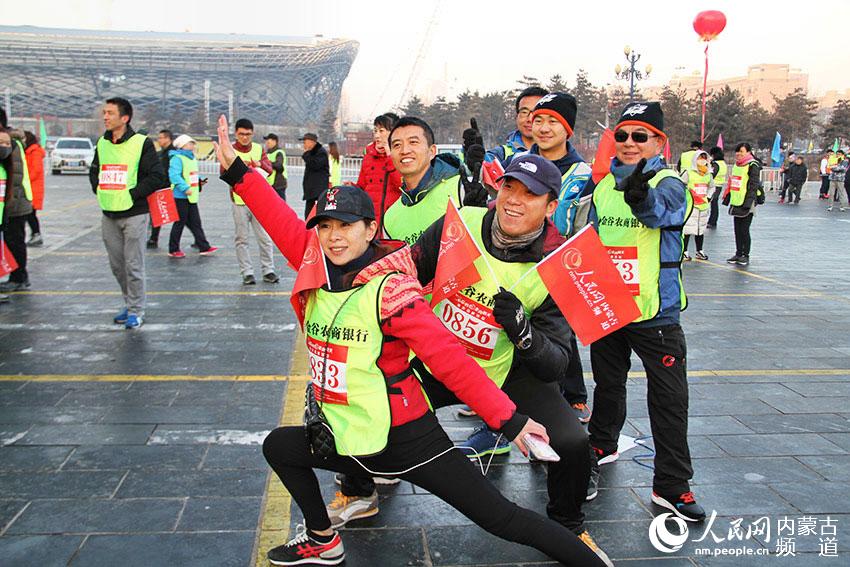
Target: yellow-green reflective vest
{"x":336,"y":172}
{"x":119,"y":168}
{"x":256,"y":154}
{"x":3,"y":177}
{"x":344,"y":341}
{"x":190,"y":176}
{"x":25,"y":180}
{"x":698,"y":187}
{"x":272,"y":157}
{"x":634,"y":248}
{"x":738,"y":184}
{"x":722,"y":169}
{"x":468,"y":314}
{"x":403,"y":222}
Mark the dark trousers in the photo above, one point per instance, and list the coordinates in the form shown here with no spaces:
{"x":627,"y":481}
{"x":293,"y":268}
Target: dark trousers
{"x":662,"y":351}
{"x":742,"y":235}
{"x":308,"y":206}
{"x":154,"y":232}
{"x":572,"y":384}
{"x":699,"y":240}
{"x":794,"y":193}
{"x":715,"y":208}
{"x":32,"y":220}
{"x":541,"y":401}
{"x":824,"y":185}
{"x":14,"y":234}
{"x":189,"y":217}
{"x":451,"y":477}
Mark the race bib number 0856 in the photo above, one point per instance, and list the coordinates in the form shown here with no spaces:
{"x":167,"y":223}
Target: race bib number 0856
{"x":471,"y":323}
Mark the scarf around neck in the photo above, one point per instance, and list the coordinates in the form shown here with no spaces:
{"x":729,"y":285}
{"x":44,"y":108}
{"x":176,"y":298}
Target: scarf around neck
{"x":504,"y":241}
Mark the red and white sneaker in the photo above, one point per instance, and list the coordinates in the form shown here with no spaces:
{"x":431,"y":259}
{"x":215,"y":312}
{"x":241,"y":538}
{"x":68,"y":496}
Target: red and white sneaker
{"x":304,"y":550}
{"x":209,"y":251}
{"x":177,"y":254}
{"x":603,"y":458}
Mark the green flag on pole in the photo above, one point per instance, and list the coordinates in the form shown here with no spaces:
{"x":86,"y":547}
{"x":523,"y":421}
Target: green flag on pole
{"x":42,"y":131}
{"x":835,"y":145}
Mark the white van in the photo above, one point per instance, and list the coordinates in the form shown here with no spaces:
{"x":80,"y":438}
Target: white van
{"x":71,"y":154}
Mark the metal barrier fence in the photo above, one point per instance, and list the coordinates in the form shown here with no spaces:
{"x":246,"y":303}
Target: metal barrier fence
{"x":294,"y":166}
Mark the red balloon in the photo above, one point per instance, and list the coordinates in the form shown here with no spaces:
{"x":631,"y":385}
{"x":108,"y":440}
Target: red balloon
{"x":709,"y":24}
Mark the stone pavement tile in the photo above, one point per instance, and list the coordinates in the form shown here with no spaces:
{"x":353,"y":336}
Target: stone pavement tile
{"x":700,"y":425}
{"x":700,"y":447}
{"x":735,"y":499}
{"x":65,"y":484}
{"x":225,"y":514}
{"x":810,"y":543}
{"x":820,"y":389}
{"x":833,"y":467}
{"x":11,"y":433}
{"x":840,"y":439}
{"x":471,"y":545}
{"x":384,"y":547}
{"x":409,"y":510}
{"x":124,"y":457}
{"x":223,"y":549}
{"x":612,"y":504}
{"x":776,"y":444}
{"x":152,"y":483}
{"x":733,"y":391}
{"x":84,"y":434}
{"x":796,"y":423}
{"x":810,"y":405}
{"x":248,"y":393}
{"x":79,"y":516}
{"x":43,"y":551}
{"x":162,"y":414}
{"x":28,"y":398}
{"x":45,"y":414}
{"x":8,"y":510}
{"x":729,"y":406}
{"x":123,"y":397}
{"x":219,"y":434}
{"x":235,"y":457}
{"x":773,"y":561}
{"x":269,"y":416}
{"x":17,"y":459}
{"x":623,"y":539}
{"x":746,"y":470}
{"x":816,"y":497}
{"x":625,"y":473}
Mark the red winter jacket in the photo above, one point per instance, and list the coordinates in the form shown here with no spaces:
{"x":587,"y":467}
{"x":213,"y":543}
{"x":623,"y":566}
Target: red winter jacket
{"x":376,"y":169}
{"x":406,"y":318}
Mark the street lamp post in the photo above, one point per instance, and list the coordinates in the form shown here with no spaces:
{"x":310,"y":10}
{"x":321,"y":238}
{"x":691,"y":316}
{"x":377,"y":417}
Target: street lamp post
{"x":631,"y":72}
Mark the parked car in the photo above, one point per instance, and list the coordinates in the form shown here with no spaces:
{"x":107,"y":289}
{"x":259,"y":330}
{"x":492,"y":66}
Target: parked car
{"x":71,"y":154}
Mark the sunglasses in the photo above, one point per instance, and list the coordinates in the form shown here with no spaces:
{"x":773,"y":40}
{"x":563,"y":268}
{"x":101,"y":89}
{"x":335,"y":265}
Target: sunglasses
{"x":638,"y":137}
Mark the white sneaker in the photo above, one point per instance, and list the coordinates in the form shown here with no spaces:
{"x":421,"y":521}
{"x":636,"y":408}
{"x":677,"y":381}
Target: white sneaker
{"x":686,"y":257}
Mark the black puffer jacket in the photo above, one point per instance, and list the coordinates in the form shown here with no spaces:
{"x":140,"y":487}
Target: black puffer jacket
{"x":316,"y":172}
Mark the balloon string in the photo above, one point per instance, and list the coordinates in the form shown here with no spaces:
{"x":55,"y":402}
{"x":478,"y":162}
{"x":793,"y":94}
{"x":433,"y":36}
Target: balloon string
{"x":704,"y":87}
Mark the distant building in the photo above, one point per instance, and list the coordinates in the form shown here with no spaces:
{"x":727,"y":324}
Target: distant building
{"x":272,"y":80}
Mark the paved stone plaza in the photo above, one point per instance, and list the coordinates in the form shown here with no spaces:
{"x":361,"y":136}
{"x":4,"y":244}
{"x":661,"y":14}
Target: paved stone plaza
{"x":142,"y":448}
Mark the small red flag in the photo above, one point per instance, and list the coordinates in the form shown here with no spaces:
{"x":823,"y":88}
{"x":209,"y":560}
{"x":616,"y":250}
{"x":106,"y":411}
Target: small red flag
{"x":455,"y":266}
{"x":490,"y":172}
{"x":312,"y":274}
{"x":604,"y":154}
{"x":8,"y":264}
{"x":587,"y":287}
{"x":162,"y":206}
{"x":668,"y":155}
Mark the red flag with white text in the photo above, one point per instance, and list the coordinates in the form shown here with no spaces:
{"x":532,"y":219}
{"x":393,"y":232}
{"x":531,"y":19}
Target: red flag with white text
{"x":587,"y":287}
{"x":455,"y":265}
{"x":312,"y":274}
{"x":8,"y":264}
{"x":163,"y":207}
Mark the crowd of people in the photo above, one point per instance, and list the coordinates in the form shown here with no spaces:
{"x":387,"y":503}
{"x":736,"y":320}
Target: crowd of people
{"x":384,"y":356}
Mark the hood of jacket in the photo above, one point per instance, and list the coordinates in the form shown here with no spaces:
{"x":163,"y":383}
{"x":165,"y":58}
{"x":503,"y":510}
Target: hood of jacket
{"x":697,"y":155}
{"x":443,"y":166}
{"x":175,"y":152}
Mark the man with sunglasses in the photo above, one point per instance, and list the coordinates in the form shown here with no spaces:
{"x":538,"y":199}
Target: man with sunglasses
{"x":639,"y":209}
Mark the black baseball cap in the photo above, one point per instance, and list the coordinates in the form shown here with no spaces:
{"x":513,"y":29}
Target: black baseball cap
{"x":309,"y":136}
{"x":540,"y":175}
{"x":343,"y":202}
{"x":270,"y":137}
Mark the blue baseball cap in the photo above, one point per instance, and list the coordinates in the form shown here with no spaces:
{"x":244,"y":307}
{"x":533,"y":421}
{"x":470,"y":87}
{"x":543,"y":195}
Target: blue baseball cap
{"x":540,"y":175}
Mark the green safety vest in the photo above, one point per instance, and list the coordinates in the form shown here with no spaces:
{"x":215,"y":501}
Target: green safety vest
{"x":119,"y":168}
{"x":720,"y":179}
{"x":408,"y":222}
{"x":698,"y":187}
{"x":25,"y":180}
{"x":272,"y":157}
{"x":256,"y":154}
{"x":738,"y":184}
{"x":356,"y":402}
{"x":190,"y":176}
{"x":686,"y":159}
{"x":336,"y":172}
{"x":468,"y":314}
{"x":634,"y":248}
{"x":3,"y":177}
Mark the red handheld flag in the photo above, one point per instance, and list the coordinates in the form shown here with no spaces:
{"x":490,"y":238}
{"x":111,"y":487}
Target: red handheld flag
{"x":587,"y":287}
{"x":8,"y":264}
{"x":455,"y":266}
{"x":312,"y":274}
{"x":162,"y":206}
{"x":604,"y":154}
{"x":490,"y":172}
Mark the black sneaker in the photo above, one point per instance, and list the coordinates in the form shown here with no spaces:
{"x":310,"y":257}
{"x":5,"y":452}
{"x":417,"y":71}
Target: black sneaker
{"x":8,"y":286}
{"x":733,"y":259}
{"x":4,"y":298}
{"x":743,"y":260}
{"x":271,"y":277}
{"x":152,"y":244}
{"x":249,"y":280}
{"x":304,"y":550}
{"x":684,"y":505}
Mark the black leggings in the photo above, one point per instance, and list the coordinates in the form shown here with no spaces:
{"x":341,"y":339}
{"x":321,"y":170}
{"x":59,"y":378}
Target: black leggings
{"x":32,"y":220}
{"x":742,"y":234}
{"x":699,"y":239}
{"x":451,"y":477}
{"x":189,"y":217}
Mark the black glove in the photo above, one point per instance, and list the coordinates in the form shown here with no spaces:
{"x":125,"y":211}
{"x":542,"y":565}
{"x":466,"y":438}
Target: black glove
{"x":508,"y":312}
{"x":474,"y":192}
{"x":635,"y":186}
{"x":472,"y":136}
